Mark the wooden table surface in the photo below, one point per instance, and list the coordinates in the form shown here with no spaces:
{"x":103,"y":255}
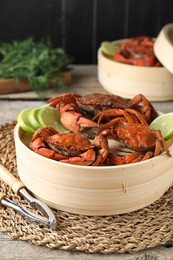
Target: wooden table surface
{"x":84,"y":82}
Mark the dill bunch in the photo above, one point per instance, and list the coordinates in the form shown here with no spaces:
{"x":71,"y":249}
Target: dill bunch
{"x":38,"y":62}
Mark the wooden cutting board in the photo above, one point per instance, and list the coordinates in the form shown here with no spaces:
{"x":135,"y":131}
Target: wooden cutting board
{"x":10,"y":85}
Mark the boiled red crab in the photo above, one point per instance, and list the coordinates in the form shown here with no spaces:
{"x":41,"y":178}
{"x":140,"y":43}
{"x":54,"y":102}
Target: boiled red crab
{"x":92,"y":104}
{"x":130,"y":128}
{"x":137,"y":51}
{"x":69,"y":147}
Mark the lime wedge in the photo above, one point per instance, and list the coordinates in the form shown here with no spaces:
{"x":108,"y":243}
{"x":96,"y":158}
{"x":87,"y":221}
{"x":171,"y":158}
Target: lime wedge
{"x":164,"y":123}
{"x":33,"y":118}
{"x":109,"y":48}
{"x":23,"y":122}
{"x":49,"y":116}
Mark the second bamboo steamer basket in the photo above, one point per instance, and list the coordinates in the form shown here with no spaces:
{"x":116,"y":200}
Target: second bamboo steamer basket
{"x":89,"y":190}
{"x":125,"y":80}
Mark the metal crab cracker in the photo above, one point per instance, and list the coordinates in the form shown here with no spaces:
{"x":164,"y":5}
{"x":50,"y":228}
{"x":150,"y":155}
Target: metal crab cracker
{"x":18,"y":187}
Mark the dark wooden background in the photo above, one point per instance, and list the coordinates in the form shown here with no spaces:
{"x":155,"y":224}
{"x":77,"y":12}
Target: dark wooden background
{"x":79,"y":26}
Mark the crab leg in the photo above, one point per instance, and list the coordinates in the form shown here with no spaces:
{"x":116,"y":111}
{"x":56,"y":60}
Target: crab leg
{"x":129,"y":158}
{"x":40,"y":147}
{"x":147,"y":109}
{"x":160,"y":143}
{"x":137,"y":114}
{"x":85,"y":158}
{"x":101,"y":144}
{"x":55,"y":100}
{"x":125,"y":159}
{"x":109,"y":113}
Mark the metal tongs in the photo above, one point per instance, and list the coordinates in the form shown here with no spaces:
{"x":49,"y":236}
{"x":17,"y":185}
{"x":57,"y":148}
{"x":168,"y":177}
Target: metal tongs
{"x":18,"y":187}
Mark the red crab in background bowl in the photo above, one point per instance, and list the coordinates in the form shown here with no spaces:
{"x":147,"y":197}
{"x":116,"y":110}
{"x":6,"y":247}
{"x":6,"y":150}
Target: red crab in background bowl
{"x":138,"y":51}
{"x":135,"y":68}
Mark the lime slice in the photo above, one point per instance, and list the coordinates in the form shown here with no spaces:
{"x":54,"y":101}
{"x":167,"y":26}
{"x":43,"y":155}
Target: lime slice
{"x":33,"y":118}
{"x":23,"y":122}
{"x":109,"y":48}
{"x":49,"y":116}
{"x":164,"y":123}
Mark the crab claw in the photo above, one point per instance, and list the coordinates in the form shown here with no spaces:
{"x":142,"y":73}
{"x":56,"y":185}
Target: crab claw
{"x":86,"y":158}
{"x":40,"y":147}
{"x":44,"y":132}
{"x":101,"y":144}
{"x":129,"y":158}
{"x":76,"y":123}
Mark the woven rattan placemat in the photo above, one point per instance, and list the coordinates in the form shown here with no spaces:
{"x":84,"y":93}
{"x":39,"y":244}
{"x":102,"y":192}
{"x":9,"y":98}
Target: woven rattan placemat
{"x":145,"y":228}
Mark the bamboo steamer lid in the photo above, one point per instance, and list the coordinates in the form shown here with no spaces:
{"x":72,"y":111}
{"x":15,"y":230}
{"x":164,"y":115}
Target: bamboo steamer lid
{"x":163,"y":47}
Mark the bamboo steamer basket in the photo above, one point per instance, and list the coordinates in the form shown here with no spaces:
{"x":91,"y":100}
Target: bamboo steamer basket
{"x":156,"y":83}
{"x":89,"y":190}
